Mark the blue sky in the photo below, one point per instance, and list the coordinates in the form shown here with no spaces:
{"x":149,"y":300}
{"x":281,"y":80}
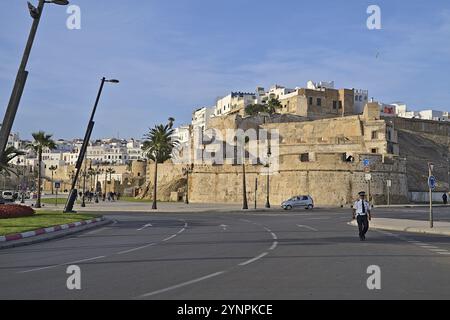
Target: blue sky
{"x":175,"y":55}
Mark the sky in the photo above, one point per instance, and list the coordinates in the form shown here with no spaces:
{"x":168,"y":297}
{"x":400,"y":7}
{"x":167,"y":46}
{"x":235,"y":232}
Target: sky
{"x":174,"y":56}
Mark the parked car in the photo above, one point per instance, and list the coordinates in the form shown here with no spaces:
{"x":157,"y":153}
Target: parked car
{"x":8,"y":196}
{"x":306,"y":202}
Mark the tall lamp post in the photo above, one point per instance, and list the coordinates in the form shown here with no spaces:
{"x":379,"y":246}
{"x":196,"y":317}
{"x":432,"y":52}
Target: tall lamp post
{"x":430,"y":188}
{"x":73,"y":192}
{"x":22,"y":73}
{"x":187,"y":171}
{"x":83,"y":202}
{"x":269,"y":154}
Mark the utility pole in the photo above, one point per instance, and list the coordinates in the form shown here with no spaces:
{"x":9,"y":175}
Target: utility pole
{"x":256,"y":189}
{"x":431,"y":184}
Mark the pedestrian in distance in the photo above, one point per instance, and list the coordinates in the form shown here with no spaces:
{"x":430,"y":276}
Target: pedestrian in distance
{"x":362,"y":214}
{"x":445,"y":198}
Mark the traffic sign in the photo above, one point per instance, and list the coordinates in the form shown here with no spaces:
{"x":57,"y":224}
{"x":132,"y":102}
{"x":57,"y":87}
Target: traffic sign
{"x":389,"y":183}
{"x":57,"y":185}
{"x":432,"y":182}
{"x":368,"y":177}
{"x":366,"y":162}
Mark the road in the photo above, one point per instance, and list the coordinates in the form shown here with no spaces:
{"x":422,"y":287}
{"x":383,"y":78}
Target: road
{"x":218,"y":255}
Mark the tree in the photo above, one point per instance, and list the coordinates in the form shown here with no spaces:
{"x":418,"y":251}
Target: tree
{"x":171,"y":121}
{"x":6,"y":167}
{"x":5,"y":162}
{"x":254,"y":109}
{"x":271,"y":107}
{"x":158,"y":146}
{"x":42,"y":141}
{"x":52,"y":169}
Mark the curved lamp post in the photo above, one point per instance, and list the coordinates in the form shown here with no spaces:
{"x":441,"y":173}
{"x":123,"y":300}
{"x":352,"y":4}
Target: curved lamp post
{"x":73,"y":192}
{"x":22,"y":73}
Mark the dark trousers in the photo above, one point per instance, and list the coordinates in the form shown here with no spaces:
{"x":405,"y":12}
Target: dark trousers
{"x":363,"y":225}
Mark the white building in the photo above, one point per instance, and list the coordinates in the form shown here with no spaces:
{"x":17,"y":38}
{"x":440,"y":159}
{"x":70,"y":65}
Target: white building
{"x":182,"y":135}
{"x":134,"y":150}
{"x":319,"y":85}
{"x":360,"y":101}
{"x":201,"y":117}
{"x":436,"y":115}
{"x":233,"y":102}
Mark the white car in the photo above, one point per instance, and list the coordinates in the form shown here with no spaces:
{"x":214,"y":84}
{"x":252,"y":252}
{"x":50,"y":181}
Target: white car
{"x":306,"y":202}
{"x":8,"y":195}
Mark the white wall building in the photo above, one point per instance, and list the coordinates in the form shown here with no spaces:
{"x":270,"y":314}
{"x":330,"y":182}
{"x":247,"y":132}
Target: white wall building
{"x":200,"y":118}
{"x":233,"y":101}
{"x":361,"y":99}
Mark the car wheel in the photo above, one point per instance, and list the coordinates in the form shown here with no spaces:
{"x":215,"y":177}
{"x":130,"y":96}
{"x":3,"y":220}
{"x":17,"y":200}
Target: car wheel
{"x":310,"y":207}
{"x":288,"y":207}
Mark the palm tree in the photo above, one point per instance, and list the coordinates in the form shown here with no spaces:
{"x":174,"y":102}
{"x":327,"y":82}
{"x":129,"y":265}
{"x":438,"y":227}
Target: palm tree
{"x":41,"y":142}
{"x":5,"y":162}
{"x":6,"y":167}
{"x":171,"y":121}
{"x":52,"y":169}
{"x":158,"y":147}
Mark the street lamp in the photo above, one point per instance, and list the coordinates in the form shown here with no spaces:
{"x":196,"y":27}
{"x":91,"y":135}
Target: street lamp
{"x":87,"y":137}
{"x":186,"y":172}
{"x":269,"y":154}
{"x":430,"y":174}
{"x":22,"y":73}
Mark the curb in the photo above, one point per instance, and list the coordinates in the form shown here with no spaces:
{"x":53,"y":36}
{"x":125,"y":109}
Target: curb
{"x":406,"y":229}
{"x":29,"y":234}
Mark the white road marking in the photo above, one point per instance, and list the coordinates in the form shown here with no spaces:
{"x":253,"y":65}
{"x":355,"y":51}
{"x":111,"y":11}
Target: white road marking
{"x":224,"y":227}
{"x":274,"y":245}
{"x":445,"y":253}
{"x":262,"y":255}
{"x":145,"y":226}
{"x":136,"y":249}
{"x":182,"y":284}
{"x":307,"y":227}
{"x":154,"y":243}
{"x":63,"y":264}
{"x":171,"y":237}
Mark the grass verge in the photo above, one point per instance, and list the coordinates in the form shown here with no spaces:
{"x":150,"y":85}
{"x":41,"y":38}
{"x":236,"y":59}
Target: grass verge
{"x":42,"y":219}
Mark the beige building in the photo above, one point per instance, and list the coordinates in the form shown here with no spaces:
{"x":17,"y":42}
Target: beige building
{"x":322,"y":158}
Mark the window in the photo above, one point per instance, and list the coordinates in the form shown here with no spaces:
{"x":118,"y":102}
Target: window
{"x":340,"y":104}
{"x":374,"y":135}
{"x":319,"y":102}
{"x":374,"y":150}
{"x":335,"y":103}
{"x":310,"y":101}
{"x":304,"y":157}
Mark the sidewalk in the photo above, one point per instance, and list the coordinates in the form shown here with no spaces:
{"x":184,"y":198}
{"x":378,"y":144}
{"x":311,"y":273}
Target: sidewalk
{"x":404,"y":225}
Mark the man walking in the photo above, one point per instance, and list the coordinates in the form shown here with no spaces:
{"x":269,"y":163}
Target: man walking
{"x":444,"y":198}
{"x":361,"y":212}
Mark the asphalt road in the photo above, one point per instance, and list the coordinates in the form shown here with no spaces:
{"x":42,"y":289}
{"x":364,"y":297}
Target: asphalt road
{"x":276,"y":255}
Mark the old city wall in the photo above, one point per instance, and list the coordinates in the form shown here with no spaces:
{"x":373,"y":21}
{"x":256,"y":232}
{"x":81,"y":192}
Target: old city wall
{"x":329,"y":180}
